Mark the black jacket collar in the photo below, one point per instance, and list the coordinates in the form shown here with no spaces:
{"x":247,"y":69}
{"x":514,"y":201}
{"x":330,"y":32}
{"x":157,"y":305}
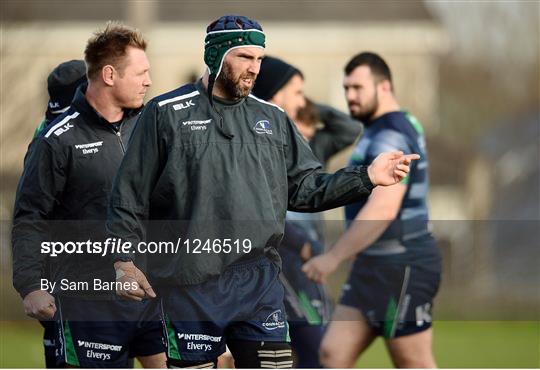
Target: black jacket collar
{"x":80,"y":103}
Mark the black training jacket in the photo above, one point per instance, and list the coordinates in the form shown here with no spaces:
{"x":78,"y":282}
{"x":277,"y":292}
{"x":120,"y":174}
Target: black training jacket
{"x":64,"y":190}
{"x":340,"y":130}
{"x":202,"y":177}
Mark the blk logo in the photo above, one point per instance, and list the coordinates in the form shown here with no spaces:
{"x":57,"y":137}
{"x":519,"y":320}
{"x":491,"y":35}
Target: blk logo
{"x":184,"y":105}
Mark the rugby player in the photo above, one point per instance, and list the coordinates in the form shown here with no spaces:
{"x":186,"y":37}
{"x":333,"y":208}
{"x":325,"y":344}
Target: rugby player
{"x":62,"y":83}
{"x":397,"y":269}
{"x":63,"y":195}
{"x":219,"y":167}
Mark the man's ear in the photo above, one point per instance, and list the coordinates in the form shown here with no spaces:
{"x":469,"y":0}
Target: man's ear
{"x":385,"y":86}
{"x":107,"y":74}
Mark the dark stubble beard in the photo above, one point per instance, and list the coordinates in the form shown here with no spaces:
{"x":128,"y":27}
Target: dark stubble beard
{"x":368,"y":111}
{"x":232,"y":87}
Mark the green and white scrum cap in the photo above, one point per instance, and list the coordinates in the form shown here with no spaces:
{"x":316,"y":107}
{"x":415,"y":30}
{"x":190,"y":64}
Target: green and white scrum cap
{"x":227,"y":33}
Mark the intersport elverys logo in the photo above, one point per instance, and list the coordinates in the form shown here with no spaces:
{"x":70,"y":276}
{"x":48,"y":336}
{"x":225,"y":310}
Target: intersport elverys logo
{"x":263,"y":127}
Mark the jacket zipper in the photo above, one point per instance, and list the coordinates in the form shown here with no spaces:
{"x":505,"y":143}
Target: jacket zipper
{"x":119,"y":136}
{"x":221,"y":127}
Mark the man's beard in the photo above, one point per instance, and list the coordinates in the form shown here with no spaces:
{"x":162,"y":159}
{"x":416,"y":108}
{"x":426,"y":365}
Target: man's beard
{"x":365,"y":115}
{"x":232,"y":87}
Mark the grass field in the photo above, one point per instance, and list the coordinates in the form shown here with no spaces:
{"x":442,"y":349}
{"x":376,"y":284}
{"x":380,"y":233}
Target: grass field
{"x":457,"y":344}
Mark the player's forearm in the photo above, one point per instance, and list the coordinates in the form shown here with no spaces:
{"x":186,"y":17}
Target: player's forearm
{"x":364,"y":231}
{"x":318,"y":191}
{"x":28,"y":260}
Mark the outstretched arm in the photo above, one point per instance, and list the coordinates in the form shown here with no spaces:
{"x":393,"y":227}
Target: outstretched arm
{"x":380,"y":210}
{"x":312,"y":190}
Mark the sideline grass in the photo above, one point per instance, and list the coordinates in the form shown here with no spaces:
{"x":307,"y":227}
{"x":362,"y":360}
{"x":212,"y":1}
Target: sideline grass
{"x":474,"y":344}
{"x":457,"y":344}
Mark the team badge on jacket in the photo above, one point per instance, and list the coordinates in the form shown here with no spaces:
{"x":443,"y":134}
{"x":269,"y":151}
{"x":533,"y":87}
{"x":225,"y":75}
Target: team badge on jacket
{"x":263,"y":127}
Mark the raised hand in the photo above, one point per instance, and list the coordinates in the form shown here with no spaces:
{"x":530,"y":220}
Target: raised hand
{"x":390,"y":168}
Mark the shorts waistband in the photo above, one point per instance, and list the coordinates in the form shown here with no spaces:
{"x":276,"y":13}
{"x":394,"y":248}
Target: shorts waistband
{"x":249,"y":262}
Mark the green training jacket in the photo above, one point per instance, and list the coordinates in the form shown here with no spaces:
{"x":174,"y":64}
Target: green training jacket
{"x":216,"y":186}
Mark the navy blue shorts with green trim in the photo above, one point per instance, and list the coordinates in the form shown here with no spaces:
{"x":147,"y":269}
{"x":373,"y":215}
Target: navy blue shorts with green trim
{"x":245,"y":302}
{"x":395,"y":298}
{"x":106,"y":333}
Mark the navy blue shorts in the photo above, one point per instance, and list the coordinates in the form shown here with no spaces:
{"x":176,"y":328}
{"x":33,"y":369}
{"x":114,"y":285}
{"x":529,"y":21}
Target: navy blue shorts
{"x":245,"y":302}
{"x":97,"y":334}
{"x":395,"y":298}
{"x":48,"y":344}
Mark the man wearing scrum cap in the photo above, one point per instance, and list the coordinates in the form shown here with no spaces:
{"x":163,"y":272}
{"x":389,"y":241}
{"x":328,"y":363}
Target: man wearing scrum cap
{"x":219,"y":167}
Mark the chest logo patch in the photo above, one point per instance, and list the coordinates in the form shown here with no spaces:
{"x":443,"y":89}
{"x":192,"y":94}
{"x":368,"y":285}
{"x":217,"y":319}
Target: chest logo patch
{"x":89,"y":148}
{"x":197,"y":125}
{"x":263,"y":127}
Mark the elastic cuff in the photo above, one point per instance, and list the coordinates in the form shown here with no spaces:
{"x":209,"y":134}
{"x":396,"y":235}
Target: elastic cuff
{"x":123,"y":258}
{"x":366,"y":182}
{"x":23,"y":292}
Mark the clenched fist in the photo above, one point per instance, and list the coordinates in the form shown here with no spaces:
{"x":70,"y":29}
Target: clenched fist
{"x":39,"y":304}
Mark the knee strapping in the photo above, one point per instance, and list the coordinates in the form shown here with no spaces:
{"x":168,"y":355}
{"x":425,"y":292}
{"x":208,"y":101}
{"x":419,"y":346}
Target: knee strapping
{"x":266,"y":355}
{"x":181,"y":364}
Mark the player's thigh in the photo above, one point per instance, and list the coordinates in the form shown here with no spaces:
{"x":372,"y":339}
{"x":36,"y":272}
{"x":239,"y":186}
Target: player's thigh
{"x":347,"y":336}
{"x":413,"y":350}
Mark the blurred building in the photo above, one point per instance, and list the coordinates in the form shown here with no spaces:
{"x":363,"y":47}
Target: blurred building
{"x":318,"y":37}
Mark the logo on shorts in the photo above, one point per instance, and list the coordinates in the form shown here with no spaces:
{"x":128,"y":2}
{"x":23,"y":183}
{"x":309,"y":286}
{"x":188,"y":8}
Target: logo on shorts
{"x":95,"y":350}
{"x":423,"y":314}
{"x":274,"y":321}
{"x":103,"y":346}
{"x":193,"y":341}
{"x":263,"y":127}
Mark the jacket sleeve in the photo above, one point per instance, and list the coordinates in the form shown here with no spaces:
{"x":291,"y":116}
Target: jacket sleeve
{"x":312,"y":190}
{"x":40,"y":188}
{"x":340,"y":130}
{"x":135,"y":181}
